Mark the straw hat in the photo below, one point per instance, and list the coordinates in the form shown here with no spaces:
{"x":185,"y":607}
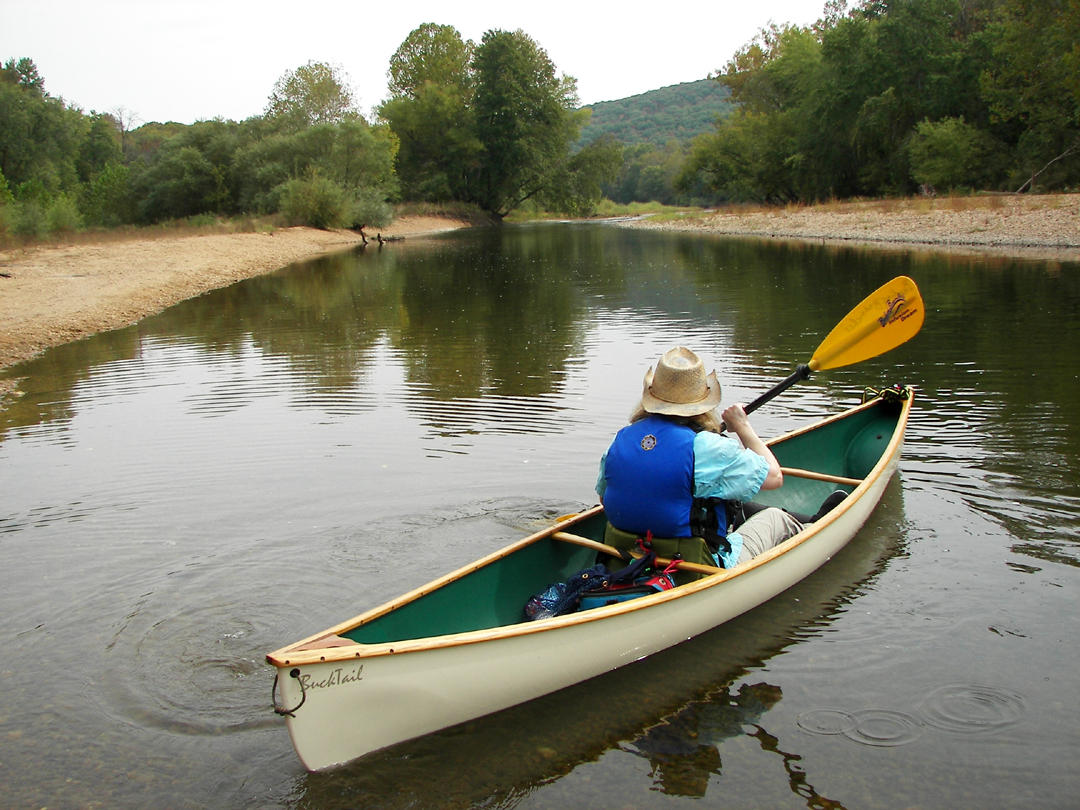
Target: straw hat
{"x":680,"y":386}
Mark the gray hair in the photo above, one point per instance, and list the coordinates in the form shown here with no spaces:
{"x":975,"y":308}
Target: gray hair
{"x":710,"y":420}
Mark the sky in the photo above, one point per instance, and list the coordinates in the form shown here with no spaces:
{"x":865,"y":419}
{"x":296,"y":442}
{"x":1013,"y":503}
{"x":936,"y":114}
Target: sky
{"x":159,"y":60}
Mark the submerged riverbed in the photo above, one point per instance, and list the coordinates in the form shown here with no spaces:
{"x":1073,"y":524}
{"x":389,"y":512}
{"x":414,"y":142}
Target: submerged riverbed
{"x":256,"y":464}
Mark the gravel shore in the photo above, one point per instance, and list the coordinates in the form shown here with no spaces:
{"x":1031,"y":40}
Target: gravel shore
{"x":1032,"y":226}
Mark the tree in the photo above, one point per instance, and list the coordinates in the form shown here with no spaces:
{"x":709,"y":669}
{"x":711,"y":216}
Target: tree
{"x":433,"y":54}
{"x":335,"y":165}
{"x":439,"y":150}
{"x":525,"y":120}
{"x":316,"y":201}
{"x":100,"y":147}
{"x":578,"y":188}
{"x":430,"y":113}
{"x":743,"y":160}
{"x":768,"y":150}
{"x":1032,"y":86}
{"x":24,"y":73}
{"x":491,"y":125}
{"x":834,"y":110}
{"x":125,"y":123}
{"x":39,"y":135}
{"x":192,"y":173}
{"x":315,"y":93}
{"x":649,"y":172}
{"x":952,"y":154}
{"x":107,"y":199}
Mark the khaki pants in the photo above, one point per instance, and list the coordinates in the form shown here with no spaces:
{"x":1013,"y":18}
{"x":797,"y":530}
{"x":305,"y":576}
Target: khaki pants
{"x":765,"y":529}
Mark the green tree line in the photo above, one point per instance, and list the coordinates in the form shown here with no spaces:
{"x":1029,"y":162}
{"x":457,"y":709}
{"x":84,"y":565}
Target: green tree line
{"x":888,"y":97}
{"x":311,"y":158}
{"x":491,"y":125}
{"x":894,"y":96}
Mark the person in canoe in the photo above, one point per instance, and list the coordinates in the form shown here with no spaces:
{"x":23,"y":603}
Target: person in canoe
{"x":673,"y":479}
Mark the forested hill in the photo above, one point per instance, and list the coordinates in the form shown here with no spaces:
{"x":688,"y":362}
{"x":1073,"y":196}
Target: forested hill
{"x":679,"y":112}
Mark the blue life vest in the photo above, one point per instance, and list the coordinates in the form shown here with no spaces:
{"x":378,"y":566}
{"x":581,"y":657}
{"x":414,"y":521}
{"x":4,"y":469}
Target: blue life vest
{"x":650,"y":484}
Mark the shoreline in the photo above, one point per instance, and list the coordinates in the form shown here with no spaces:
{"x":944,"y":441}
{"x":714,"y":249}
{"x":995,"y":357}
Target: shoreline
{"x":1039,"y":227}
{"x":55,"y":294}
{"x":52,"y":295}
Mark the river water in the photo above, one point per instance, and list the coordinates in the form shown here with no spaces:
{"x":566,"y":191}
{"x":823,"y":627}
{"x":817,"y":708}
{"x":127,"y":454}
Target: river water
{"x":253,"y":465}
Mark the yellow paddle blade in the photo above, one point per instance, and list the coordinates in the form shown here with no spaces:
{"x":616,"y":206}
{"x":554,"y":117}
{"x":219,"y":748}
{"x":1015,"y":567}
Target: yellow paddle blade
{"x":890,"y":315}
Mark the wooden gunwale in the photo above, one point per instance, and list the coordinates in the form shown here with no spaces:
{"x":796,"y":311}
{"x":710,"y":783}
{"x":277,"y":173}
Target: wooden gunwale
{"x":292,"y":655}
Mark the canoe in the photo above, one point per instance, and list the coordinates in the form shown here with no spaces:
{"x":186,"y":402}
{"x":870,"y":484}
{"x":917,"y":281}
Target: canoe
{"x":460,"y":647}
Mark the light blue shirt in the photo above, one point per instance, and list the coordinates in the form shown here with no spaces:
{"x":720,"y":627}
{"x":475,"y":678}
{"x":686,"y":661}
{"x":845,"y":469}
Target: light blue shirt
{"x":723,"y":468}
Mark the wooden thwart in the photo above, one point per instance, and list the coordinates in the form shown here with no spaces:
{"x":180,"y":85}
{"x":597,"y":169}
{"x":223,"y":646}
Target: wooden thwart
{"x":795,"y":472}
{"x":681,"y":565}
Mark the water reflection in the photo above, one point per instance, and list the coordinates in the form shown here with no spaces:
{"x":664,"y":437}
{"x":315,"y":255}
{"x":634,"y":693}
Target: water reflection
{"x":682,"y":750}
{"x":500,"y":332}
{"x":271,"y":458}
{"x":510,"y":320}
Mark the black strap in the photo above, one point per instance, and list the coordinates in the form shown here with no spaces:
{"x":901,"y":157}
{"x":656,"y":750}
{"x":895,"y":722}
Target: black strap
{"x":703,"y":523}
{"x":632,"y":571}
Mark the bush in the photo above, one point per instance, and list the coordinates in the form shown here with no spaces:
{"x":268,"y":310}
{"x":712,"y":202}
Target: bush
{"x":7,"y":208}
{"x":371,"y":209}
{"x":62,"y":215}
{"x":6,"y":197}
{"x":202,"y":221}
{"x":952,"y":154}
{"x":7,"y":222}
{"x":28,"y":219}
{"x":108,"y":199}
{"x":315,"y":201}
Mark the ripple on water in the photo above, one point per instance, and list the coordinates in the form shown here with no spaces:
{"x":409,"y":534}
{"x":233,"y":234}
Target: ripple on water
{"x":189,"y":657}
{"x":826,"y":721}
{"x":191,"y":672}
{"x":972,"y":708}
{"x":960,"y":708}
{"x":883,"y":728}
{"x":877,"y":727}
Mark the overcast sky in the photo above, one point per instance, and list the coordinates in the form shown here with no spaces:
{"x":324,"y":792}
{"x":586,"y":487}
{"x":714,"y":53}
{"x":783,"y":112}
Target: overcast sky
{"x":160,"y":60}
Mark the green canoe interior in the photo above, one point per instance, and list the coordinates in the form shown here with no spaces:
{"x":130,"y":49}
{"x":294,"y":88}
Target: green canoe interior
{"x":495,"y":594}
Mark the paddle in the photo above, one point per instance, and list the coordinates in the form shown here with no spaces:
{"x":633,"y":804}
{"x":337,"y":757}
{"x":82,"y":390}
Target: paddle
{"x":889,"y":316}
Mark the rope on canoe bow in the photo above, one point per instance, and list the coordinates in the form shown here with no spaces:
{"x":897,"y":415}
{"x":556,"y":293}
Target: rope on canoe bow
{"x":293,"y":673}
{"x":893,"y":393}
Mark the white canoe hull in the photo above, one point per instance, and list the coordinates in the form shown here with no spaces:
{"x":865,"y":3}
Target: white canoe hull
{"x":361,"y":698}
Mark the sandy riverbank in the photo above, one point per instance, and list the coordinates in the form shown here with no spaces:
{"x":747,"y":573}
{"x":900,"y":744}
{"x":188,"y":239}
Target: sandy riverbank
{"x":53,"y":295}
{"x":1032,"y":226}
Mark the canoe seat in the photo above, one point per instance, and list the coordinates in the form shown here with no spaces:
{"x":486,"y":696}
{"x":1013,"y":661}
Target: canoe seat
{"x":690,"y":549}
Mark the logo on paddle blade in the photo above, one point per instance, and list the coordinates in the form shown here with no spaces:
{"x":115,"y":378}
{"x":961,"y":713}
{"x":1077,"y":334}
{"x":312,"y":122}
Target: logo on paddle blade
{"x":897,"y":311}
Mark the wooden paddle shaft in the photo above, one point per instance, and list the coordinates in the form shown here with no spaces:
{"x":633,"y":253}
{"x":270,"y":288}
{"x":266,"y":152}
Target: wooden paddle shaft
{"x":681,"y":565}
